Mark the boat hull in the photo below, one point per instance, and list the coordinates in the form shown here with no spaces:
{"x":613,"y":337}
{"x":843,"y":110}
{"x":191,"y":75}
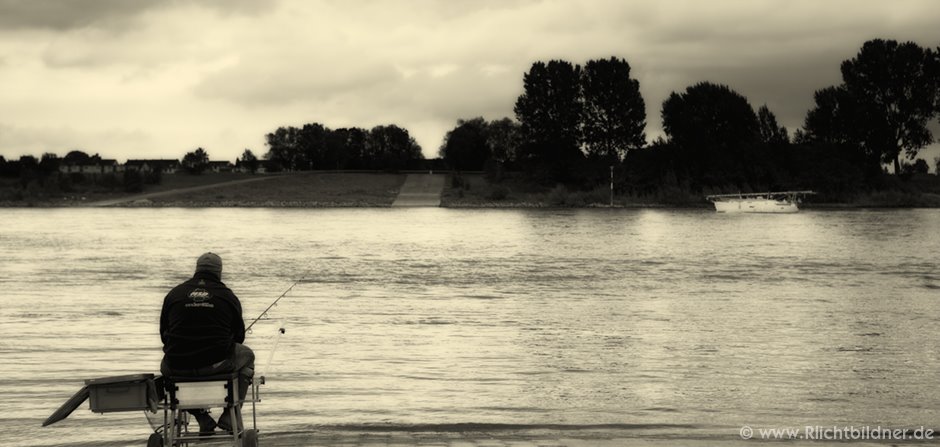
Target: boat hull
{"x":755,"y":206}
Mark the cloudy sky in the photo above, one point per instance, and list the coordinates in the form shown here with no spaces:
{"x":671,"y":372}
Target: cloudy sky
{"x":155,"y":79}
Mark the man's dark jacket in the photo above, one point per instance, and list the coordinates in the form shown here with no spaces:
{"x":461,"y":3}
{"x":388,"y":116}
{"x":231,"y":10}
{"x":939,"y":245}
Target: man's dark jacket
{"x":200,"y":322}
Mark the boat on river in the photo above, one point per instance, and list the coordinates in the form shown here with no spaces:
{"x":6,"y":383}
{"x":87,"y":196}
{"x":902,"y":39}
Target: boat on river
{"x":758,"y":202}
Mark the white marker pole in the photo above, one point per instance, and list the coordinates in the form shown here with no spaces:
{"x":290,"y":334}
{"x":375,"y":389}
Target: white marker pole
{"x":611,"y":186}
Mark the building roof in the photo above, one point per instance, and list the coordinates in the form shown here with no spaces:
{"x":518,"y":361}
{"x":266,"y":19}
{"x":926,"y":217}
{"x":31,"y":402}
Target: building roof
{"x":152,"y":162}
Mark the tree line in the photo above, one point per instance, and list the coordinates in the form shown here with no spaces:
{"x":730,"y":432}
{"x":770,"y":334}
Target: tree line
{"x":566,"y":115}
{"x":29,"y":177}
{"x":573,"y":123}
{"x":315,"y":146}
{"x":312,"y":146}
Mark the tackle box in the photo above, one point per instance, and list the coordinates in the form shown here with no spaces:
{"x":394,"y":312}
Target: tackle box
{"x":132,"y":392}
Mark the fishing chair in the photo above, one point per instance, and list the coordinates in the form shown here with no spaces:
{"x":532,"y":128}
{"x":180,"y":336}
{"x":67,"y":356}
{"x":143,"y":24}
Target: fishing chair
{"x":201,"y":393}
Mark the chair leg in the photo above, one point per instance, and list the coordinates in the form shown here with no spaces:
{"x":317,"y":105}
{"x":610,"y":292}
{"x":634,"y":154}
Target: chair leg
{"x":167,"y":427}
{"x":172,"y":428}
{"x":234,"y":414}
{"x":254,"y":411}
{"x":237,"y":426}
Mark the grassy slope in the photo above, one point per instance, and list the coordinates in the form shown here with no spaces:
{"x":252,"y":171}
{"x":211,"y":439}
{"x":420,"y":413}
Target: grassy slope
{"x":297,"y":189}
{"x":301,"y":189}
{"x":87,"y":192}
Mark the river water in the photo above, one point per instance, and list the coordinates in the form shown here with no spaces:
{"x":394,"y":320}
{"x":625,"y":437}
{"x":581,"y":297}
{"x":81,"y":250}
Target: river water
{"x":690,"y":321}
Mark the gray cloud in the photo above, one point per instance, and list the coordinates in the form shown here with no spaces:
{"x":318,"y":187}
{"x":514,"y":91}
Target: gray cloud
{"x":62,"y":15}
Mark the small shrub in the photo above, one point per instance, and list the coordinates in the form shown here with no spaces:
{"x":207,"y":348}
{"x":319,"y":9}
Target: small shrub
{"x":76,"y":178}
{"x":154,"y":177}
{"x":458,"y":182}
{"x":596,"y":196}
{"x":108,"y":181}
{"x":65,"y":183}
{"x":498,"y":192}
{"x":133,"y":181}
{"x":558,"y":196}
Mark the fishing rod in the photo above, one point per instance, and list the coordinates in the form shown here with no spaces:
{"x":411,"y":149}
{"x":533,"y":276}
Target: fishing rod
{"x":274,"y":303}
{"x":277,"y":339}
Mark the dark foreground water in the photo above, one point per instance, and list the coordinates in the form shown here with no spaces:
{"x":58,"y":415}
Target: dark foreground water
{"x":689,"y":321}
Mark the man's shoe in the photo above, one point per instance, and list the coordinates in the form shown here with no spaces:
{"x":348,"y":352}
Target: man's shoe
{"x":225,"y":421}
{"x":206,"y":423}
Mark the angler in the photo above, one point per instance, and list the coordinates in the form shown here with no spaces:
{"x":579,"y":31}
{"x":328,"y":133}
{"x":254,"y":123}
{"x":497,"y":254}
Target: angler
{"x":205,"y":365}
{"x":203,"y":332}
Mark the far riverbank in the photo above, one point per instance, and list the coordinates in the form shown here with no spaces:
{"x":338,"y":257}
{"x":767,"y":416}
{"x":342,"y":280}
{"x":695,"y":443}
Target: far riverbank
{"x":325,"y":189}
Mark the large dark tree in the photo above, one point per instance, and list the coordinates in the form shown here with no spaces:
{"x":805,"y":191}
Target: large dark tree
{"x":312,"y":142}
{"x":503,"y":137}
{"x":196,"y":162}
{"x":355,"y":142}
{"x":49,"y":163}
{"x":895,"y":89}
{"x":338,"y":155}
{"x":76,"y":157}
{"x":840,"y":143}
{"x":614,"y":113}
{"x":833,"y":119}
{"x":709,"y":115}
{"x":466,"y":147}
{"x":283,"y":147}
{"x":250,"y":161}
{"x":393,"y":148}
{"x":715,"y":131}
{"x":549,"y":111}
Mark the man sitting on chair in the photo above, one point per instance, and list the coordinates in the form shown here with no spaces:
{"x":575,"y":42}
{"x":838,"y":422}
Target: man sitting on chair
{"x":202,"y":330}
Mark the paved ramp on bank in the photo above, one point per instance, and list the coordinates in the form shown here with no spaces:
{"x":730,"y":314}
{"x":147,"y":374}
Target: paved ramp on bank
{"x":421,"y":190}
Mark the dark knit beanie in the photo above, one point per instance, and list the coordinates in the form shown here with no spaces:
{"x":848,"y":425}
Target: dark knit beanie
{"x":211,"y":263}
